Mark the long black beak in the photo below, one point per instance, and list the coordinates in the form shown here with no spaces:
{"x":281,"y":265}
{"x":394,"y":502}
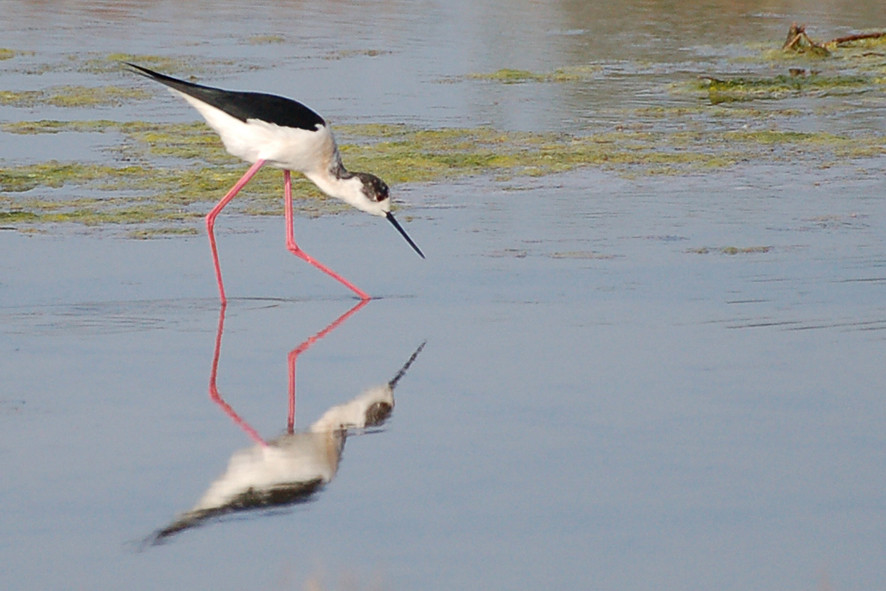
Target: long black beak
{"x":403,"y":233}
{"x":403,"y":369}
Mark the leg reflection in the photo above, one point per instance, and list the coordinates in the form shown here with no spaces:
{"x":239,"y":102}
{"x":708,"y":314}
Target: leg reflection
{"x":293,"y":357}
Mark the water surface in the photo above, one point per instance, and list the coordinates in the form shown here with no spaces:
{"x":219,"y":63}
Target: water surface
{"x":630,"y":381}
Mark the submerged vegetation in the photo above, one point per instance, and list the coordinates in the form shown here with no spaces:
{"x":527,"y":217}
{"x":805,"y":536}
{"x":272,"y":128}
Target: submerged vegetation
{"x":804,"y":67}
{"x":514,"y":76}
{"x":845,"y":65}
{"x":730,"y":250}
{"x":169,"y":172}
{"x":159,"y":177}
{"x":742,"y":88}
{"x":73,"y":96}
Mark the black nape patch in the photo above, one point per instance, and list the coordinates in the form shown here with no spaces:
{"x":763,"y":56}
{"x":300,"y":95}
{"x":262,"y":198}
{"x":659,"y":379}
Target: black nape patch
{"x":373,"y":187}
{"x":378,"y":413}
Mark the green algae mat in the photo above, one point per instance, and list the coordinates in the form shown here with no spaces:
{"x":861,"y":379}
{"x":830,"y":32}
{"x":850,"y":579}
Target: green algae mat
{"x":159,"y":178}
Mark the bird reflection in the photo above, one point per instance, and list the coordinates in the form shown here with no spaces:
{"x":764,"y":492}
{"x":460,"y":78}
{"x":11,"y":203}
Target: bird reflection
{"x":293,"y":467}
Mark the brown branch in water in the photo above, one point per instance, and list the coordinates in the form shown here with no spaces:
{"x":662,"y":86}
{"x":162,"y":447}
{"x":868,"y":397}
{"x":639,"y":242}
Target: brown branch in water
{"x":800,"y":42}
{"x":857,"y":37}
{"x":794,"y":34}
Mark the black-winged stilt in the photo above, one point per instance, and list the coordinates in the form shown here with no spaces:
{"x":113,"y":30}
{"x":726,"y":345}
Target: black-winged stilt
{"x":280,"y":132}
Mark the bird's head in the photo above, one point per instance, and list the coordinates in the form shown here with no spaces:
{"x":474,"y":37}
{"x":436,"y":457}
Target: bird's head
{"x":376,"y":200}
{"x":375,"y":190}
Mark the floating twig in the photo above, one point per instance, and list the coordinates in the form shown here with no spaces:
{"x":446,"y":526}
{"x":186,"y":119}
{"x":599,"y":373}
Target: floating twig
{"x":800,"y":42}
{"x":858,"y":37}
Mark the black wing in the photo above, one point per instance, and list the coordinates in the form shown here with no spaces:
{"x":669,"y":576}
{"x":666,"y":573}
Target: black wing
{"x":243,"y":105}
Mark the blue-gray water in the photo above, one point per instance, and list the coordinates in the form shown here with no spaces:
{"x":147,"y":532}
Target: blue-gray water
{"x":600,"y":404}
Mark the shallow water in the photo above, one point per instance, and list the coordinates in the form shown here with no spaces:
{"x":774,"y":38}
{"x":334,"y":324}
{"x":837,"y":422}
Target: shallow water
{"x":629,"y":382}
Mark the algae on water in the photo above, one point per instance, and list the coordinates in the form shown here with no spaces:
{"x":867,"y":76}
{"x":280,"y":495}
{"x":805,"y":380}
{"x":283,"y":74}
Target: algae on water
{"x":162,"y":176}
{"x":73,"y":96}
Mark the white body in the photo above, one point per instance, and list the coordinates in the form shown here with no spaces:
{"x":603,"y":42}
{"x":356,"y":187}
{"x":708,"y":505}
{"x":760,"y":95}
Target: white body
{"x":312,"y":153}
{"x":295,"y":457}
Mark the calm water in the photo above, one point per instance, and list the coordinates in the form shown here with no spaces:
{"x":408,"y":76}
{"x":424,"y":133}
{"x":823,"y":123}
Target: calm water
{"x":598,"y":406}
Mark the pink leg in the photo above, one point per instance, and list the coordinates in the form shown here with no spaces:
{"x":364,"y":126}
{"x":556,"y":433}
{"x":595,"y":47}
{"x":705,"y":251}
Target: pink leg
{"x":210,"y":220}
{"x":293,"y":357}
{"x":213,"y":388}
{"x":297,"y":251}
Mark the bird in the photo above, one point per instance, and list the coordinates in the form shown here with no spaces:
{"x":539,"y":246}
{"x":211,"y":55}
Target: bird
{"x":294,"y":467}
{"x":265,"y":129}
